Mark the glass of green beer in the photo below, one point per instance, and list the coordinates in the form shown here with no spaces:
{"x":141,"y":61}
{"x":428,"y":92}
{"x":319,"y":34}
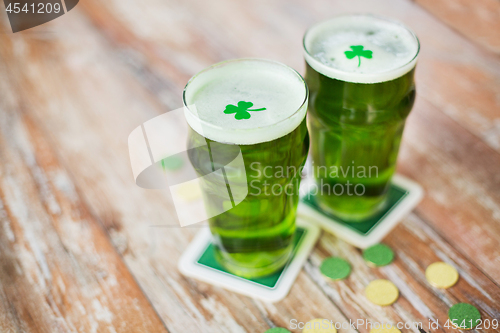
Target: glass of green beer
{"x":255,"y":109}
{"x":360,"y":72}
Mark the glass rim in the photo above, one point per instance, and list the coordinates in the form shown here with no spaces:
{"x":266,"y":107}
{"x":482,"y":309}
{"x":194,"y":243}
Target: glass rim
{"x":302,"y":105}
{"x":363,"y":76}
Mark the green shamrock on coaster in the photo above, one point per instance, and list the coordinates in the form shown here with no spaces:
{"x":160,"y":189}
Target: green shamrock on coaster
{"x":358,"y":51}
{"x":241,"y":110}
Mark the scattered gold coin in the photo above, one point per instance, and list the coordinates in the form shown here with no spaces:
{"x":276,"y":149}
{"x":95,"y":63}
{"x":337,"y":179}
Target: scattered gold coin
{"x":382,"y":292}
{"x":441,"y":275}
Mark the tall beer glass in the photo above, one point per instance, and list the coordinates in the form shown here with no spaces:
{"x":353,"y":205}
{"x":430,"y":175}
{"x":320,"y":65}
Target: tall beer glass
{"x":360,"y":72}
{"x":254,"y":109}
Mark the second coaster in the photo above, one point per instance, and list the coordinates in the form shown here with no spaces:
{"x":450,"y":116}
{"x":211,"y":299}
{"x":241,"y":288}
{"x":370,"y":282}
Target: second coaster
{"x":404,"y":195}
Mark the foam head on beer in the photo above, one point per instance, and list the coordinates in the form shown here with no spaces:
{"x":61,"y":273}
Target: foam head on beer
{"x":277,"y":93}
{"x":378,"y":50}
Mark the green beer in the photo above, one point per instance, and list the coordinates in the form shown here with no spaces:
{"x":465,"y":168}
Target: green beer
{"x":253,"y":109}
{"x":360,"y":72}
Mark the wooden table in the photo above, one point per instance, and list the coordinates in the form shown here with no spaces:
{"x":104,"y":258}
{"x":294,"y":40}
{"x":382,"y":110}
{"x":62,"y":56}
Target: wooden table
{"x":77,"y":250}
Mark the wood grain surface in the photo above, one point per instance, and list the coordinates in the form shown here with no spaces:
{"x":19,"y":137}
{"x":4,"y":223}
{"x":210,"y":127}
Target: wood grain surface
{"x":78,"y":250}
{"x":477,"y":20}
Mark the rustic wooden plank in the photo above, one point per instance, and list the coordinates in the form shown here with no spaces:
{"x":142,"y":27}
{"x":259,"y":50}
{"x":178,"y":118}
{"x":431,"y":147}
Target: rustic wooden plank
{"x":407,"y":311}
{"x":112,"y":84}
{"x":357,"y":291}
{"x":59,"y":271}
{"x":479,"y":20}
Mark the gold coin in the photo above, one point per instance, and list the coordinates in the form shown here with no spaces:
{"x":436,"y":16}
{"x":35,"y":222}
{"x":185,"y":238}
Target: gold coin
{"x":382,"y":292}
{"x":319,"y":326}
{"x":441,"y":275}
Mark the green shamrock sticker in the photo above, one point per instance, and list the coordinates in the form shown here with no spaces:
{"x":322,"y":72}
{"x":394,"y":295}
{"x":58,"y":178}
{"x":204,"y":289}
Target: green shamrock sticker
{"x":241,"y":110}
{"x":357,"y":51}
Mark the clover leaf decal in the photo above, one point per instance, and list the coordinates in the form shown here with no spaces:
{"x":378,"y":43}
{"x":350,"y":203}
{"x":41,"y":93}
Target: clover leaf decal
{"x":241,"y":110}
{"x":358,"y":51}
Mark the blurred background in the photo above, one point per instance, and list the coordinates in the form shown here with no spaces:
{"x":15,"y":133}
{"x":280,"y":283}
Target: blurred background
{"x":78,"y":252}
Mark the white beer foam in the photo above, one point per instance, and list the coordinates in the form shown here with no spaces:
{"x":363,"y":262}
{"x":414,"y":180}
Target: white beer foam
{"x":394,"y":48}
{"x":266,"y":84}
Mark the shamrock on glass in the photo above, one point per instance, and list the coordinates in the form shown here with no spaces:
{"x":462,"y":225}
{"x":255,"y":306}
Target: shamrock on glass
{"x":241,"y":110}
{"x":358,"y":51}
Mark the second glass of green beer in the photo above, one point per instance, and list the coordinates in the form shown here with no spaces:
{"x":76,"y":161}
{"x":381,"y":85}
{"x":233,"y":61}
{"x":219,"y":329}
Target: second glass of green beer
{"x":254,"y":109}
{"x":360,"y":72}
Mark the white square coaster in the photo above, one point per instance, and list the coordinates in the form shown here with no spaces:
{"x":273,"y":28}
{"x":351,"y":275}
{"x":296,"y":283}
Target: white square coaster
{"x":198,"y":262}
{"x":404,"y":195}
